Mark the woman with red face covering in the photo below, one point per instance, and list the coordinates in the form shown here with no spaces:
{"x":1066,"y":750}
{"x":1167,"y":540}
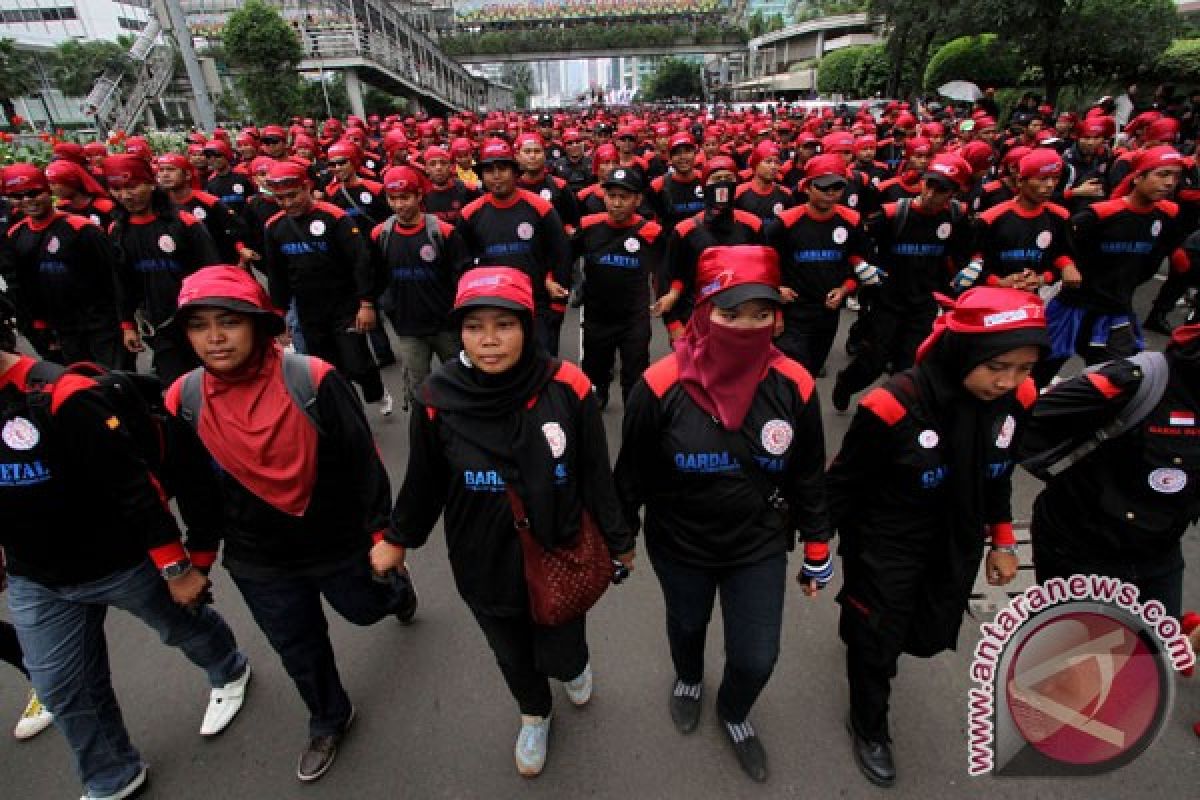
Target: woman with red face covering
{"x":722,"y":444}
{"x":922,"y":483}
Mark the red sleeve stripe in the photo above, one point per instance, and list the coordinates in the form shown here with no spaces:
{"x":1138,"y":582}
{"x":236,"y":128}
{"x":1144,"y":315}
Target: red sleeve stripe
{"x":1103,"y":385}
{"x":662,"y":375}
{"x":884,"y":405}
{"x":168,"y":554}
{"x":816,"y":551}
{"x":1002,"y":534}
{"x":797,"y":374}
{"x":204,"y":558}
{"x":573,"y":376}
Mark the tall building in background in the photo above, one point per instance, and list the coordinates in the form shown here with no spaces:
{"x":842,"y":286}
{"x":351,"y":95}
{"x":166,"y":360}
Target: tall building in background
{"x":54,"y":21}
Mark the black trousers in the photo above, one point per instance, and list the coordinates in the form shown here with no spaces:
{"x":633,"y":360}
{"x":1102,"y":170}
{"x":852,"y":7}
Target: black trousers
{"x":10,"y":647}
{"x":348,"y":352}
{"x":603,"y":338}
{"x":890,"y":335}
{"x":808,"y":334}
{"x":547,"y":326}
{"x":752,"y":610}
{"x":529,"y":654}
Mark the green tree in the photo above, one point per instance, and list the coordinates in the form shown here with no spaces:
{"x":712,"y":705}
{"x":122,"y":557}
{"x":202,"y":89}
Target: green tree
{"x":1180,"y":62}
{"x":914,"y":27}
{"x":16,"y":75}
{"x":837,"y":72}
{"x":520,"y":78}
{"x":983,"y":59}
{"x":266,"y":51}
{"x":77,"y":64}
{"x":675,"y":78}
{"x":1074,"y":41}
{"x":756,"y":26}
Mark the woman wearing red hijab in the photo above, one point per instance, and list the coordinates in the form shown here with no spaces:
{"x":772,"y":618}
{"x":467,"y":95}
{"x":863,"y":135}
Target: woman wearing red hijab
{"x":300,"y":487}
{"x":722,"y":444}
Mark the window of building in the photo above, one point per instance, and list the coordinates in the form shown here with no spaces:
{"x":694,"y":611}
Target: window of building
{"x":58,"y":14}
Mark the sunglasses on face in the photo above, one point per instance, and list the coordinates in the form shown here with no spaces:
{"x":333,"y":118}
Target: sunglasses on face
{"x":830,"y":187}
{"x":213,"y":154}
{"x":341,"y":162}
{"x":271,"y":140}
{"x":30,"y":195}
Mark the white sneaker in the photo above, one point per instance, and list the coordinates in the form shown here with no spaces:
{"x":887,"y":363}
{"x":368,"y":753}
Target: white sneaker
{"x":128,"y":790}
{"x":35,"y":719}
{"x":386,"y":403}
{"x":579,"y":688}
{"x":852,"y":304}
{"x":531,"y":745}
{"x":224,"y":703}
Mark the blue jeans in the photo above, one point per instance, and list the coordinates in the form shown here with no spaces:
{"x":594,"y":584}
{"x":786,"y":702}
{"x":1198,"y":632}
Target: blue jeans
{"x":62,"y":634}
{"x":288,"y":610}
{"x":752,"y":609}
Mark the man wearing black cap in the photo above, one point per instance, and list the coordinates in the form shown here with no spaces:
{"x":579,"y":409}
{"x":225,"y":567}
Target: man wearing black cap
{"x":620,"y":251}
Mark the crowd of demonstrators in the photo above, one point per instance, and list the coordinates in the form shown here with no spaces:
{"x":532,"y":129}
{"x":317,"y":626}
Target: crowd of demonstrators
{"x":264,"y":268}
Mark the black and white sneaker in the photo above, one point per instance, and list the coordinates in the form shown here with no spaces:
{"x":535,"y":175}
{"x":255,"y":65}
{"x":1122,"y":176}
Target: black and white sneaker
{"x":751,"y":756}
{"x":685,"y":706}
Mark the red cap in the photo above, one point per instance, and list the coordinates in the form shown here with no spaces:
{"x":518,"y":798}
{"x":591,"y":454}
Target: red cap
{"x":524,"y":138}
{"x":137,"y":146}
{"x":824,"y":164}
{"x":495,"y":151}
{"x":1014,"y":156}
{"x":71,"y":174}
{"x":24,"y":178}
{"x":838,"y":142}
{"x":461,"y":147}
{"x":729,"y":275}
{"x":719,"y":163}
{"x":287,"y":175}
{"x":987,"y":310}
{"x":174,"y":160}
{"x":951,"y":167}
{"x":605,"y":152}
{"x":1092,"y":128}
{"x":762,"y":151}
{"x":571,"y":136}
{"x":435,"y":152}
{"x":345,"y":149}
{"x":933,"y":129}
{"x":69,"y":151}
{"x":868,"y":142}
{"x":1039,"y":163}
{"x":127,"y":170}
{"x":220,"y":147}
{"x":404,"y":180}
{"x":223,"y":286}
{"x":495,"y":287}
{"x":680,"y":140}
{"x":1163,"y":129}
{"x":978,"y":154}
{"x":261,"y":165}
{"x":918,"y":146}
{"x":276,"y":131}
{"x":906,"y":121}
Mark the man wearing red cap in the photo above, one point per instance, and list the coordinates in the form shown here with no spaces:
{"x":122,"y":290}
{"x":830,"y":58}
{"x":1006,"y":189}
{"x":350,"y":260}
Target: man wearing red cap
{"x":274,"y":142}
{"x":916,"y":241}
{"x":512,"y":227}
{"x":360,"y":198}
{"x":680,"y":193}
{"x":1121,"y":243}
{"x":227,"y":185}
{"x":575,"y":167}
{"x":1088,"y":161}
{"x":447,"y":195}
{"x":79,"y":193}
{"x":917,"y":153}
{"x":157,"y":245}
{"x":315,"y":254}
{"x":423,"y":257}
{"x":62,"y":268}
{"x":821,"y":247}
{"x":762,"y":195}
{"x":531,"y":157}
{"x":226,"y":228}
{"x":1026,"y":242}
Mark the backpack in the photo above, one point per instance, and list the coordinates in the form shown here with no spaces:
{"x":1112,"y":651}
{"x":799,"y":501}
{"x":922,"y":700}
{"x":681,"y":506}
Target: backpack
{"x":297,"y":375}
{"x":432,"y":229}
{"x":136,"y":398}
{"x":1051,"y":463}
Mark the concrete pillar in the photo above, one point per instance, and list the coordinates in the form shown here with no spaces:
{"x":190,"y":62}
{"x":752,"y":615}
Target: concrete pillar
{"x":354,"y":90}
{"x":820,"y":43}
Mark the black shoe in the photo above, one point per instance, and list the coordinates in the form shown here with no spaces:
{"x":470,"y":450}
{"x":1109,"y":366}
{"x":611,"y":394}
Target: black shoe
{"x":602,"y":397}
{"x":318,"y":755}
{"x":751,"y":756}
{"x":874,"y":759}
{"x":685,"y":709}
{"x":1157,"y":321}
{"x":841,"y":398}
{"x":408,"y":608}
{"x":383,"y":363}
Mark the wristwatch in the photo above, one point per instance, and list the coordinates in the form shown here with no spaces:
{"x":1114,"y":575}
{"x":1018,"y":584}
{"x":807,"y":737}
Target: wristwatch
{"x":176,"y":569}
{"x":1011,"y":549}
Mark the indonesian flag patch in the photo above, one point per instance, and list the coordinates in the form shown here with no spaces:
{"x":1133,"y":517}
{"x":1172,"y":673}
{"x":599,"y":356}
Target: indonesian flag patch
{"x":1183,"y":419}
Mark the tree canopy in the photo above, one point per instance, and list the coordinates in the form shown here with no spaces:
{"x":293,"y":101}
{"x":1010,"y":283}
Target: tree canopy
{"x":675,"y":78}
{"x":16,"y":75}
{"x":982,"y":59}
{"x":266,"y":50}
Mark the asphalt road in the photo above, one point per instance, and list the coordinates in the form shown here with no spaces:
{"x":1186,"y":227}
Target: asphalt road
{"x":436,"y":721}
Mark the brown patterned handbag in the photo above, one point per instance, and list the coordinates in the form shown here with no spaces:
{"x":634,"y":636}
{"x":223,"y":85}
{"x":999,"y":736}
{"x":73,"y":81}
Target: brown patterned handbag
{"x":563,"y":582}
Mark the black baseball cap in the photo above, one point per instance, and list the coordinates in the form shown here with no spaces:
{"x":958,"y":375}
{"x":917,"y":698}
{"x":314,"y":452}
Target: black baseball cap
{"x":624,"y":178}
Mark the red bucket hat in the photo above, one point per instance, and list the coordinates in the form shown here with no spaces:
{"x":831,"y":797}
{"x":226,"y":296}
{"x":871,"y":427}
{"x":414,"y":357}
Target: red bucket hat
{"x":232,"y":288}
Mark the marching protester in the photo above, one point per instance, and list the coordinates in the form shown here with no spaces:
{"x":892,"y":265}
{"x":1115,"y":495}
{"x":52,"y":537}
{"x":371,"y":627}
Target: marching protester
{"x":921,"y":484}
{"x":226,"y":228}
{"x":503,"y":428}
{"x":125,"y":551}
{"x":722,"y":445}
{"x":301,"y":489}
{"x":157,"y":245}
{"x":316,"y":256}
{"x":78,"y":192}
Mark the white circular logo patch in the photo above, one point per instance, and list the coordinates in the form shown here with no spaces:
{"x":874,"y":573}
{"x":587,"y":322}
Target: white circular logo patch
{"x":944,"y":230}
{"x":239,"y":189}
{"x":1005,"y":437}
{"x":632,"y":245}
{"x":840,"y":235}
{"x":166,"y":243}
{"x":699,"y":191}
{"x":52,"y":245}
{"x":365,"y":197}
{"x":778,"y":209}
{"x":95,"y":218}
{"x":199,"y":213}
{"x":1156,"y":228}
{"x":977,"y":202}
{"x":525,"y":231}
{"x":316,"y":227}
{"x":556,"y":438}
{"x":776,"y":437}
{"x":928,"y":439}
{"x":1164,"y":480}
{"x":19,"y":434}
{"x":852,"y":200}
{"x":427,"y":253}
{"x":546,"y":194}
{"x":1044,"y":239}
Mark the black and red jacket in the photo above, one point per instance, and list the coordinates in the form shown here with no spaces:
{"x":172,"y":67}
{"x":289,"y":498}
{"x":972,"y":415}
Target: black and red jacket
{"x":154,"y":254}
{"x":364,"y":202}
{"x":451,"y":473}
{"x":618,"y":263}
{"x":557,"y":193}
{"x":447,"y":202}
{"x":992,"y":194}
{"x":817,"y":254}
{"x":675,"y":199}
{"x":901,"y":186}
{"x":920,"y":252}
{"x":696,"y":234}
{"x":225,"y":226}
{"x":65,"y":272}
{"x":98,"y":209}
{"x":76,"y":501}
{"x":320,"y":257}
{"x":423,"y":273}
{"x":702,"y":508}
{"x":233,"y":189}
{"x":522,"y":231}
{"x":1010,"y":238}
{"x":766,"y":205}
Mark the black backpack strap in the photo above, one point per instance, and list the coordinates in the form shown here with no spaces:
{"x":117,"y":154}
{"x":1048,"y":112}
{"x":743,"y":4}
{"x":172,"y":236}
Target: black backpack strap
{"x":39,"y":390}
{"x":385,"y":234}
{"x":191,"y":397}
{"x":433,"y":229}
{"x":903,"y":207}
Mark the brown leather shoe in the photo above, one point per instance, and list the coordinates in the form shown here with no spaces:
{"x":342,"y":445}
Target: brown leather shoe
{"x":318,"y":755}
